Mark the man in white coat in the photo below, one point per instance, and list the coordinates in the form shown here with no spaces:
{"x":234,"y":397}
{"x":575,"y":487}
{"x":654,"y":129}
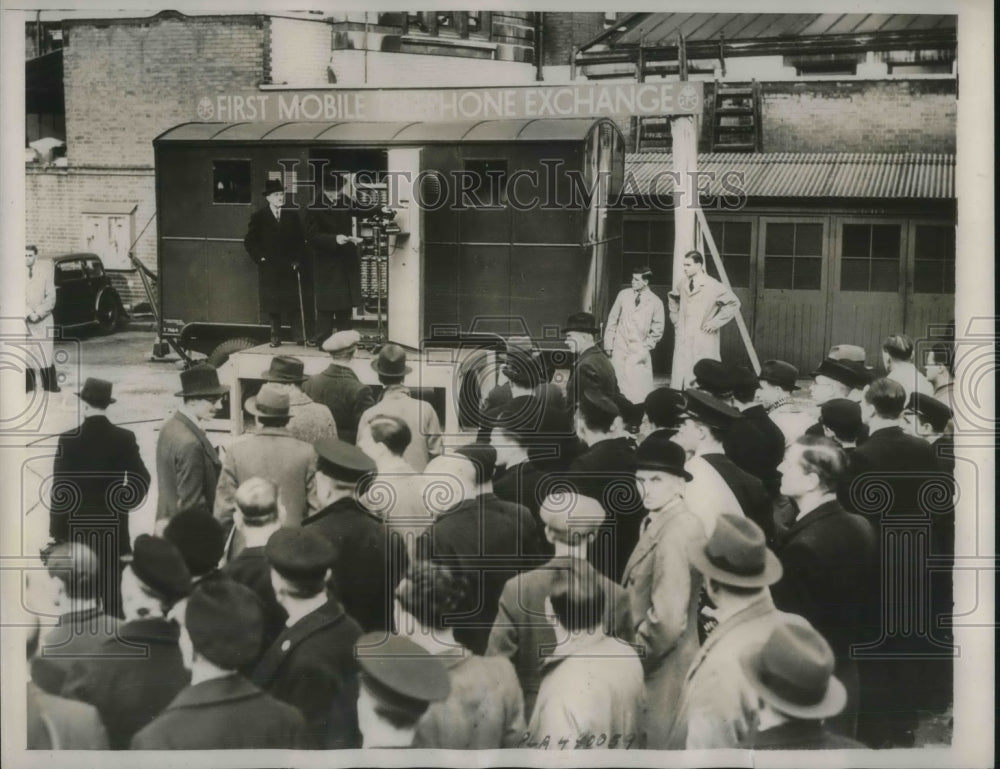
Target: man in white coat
{"x":699,"y":307}
{"x":635,"y":327}
{"x":39,"y":301}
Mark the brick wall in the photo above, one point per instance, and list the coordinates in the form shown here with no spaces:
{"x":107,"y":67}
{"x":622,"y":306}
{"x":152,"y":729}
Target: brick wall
{"x":128,"y":80}
{"x":411,"y":69}
{"x":564,"y":31}
{"x":300,"y":51}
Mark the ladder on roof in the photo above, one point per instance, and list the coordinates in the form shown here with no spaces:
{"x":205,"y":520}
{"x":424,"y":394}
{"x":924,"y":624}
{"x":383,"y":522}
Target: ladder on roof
{"x":736,"y":118}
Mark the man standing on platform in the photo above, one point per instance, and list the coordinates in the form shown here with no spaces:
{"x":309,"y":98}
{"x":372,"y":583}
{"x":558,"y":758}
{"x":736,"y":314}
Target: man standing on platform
{"x":699,"y":307}
{"x":635,"y":327}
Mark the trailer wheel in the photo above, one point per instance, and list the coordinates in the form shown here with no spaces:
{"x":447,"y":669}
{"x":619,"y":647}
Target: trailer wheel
{"x":221,"y":354}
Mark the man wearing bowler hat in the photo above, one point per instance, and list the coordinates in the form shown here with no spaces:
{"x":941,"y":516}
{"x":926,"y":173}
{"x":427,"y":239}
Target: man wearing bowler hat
{"x":98,"y":478}
{"x":777,"y":383}
{"x":270,"y":453}
{"x":841,"y":420}
{"x":274,"y":241}
{"x":792,"y":673}
{"x":220,"y":709}
{"x":371,"y":558}
{"x":714,"y":710}
{"x":338,"y":387}
{"x":419,"y":415}
{"x":311,"y":664}
{"x":187,"y":465}
{"x":754,"y":442}
{"x":662,"y":411}
{"x":662,"y":585}
{"x":310,"y":421}
{"x":130,"y":691}
{"x":593,"y":369}
{"x":841,"y":374}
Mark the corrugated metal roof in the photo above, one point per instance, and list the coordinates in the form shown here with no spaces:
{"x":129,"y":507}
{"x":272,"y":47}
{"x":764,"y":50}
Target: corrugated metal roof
{"x":803,"y":175}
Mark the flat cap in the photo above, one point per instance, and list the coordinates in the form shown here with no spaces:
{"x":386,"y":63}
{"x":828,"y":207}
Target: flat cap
{"x":931,"y":409}
{"x":843,"y":416}
{"x":300,"y":553}
{"x":596,"y":403}
{"x":399,"y":674}
{"x":199,"y":537}
{"x":714,"y":376}
{"x":342,"y":341}
{"x":664,"y":407}
{"x":225,"y":622}
{"x":160,"y":566}
{"x":707,"y":409}
{"x":658,"y":452}
{"x":568,"y":511}
{"x":343,"y":461}
{"x":779,"y":373}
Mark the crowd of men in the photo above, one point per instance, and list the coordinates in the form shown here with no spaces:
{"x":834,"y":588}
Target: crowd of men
{"x":704,"y":569}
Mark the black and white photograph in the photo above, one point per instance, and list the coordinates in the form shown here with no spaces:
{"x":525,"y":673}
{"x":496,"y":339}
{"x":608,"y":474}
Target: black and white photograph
{"x":460,"y":387}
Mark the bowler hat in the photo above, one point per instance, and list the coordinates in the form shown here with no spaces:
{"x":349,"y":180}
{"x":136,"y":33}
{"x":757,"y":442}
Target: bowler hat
{"x":402,"y":676}
{"x":225,"y":622}
{"x":201,"y":381}
{"x":931,"y":409}
{"x":714,"y":376}
{"x":300,"y":553}
{"x":391,"y":361}
{"x":568,"y":511}
{"x":342,"y":341}
{"x":658,"y":452}
{"x":582,"y":321}
{"x":285,"y":369}
{"x":343,"y":461}
{"x":847,"y":372}
{"x":664,"y":407}
{"x":199,"y":537}
{"x":596,"y":403}
{"x":737,"y":554}
{"x":793,"y":672}
{"x":160,"y":566}
{"x":270,"y":401}
{"x":273,"y":185}
{"x":779,"y":373}
{"x":96,"y":392}
{"x":707,"y":409}
{"x":843,"y":416}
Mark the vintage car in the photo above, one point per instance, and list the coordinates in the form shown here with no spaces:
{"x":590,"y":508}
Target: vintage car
{"x":84,"y":294}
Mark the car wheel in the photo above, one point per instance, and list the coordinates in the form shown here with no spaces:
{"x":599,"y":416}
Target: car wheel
{"x":221,"y":353}
{"x":109,"y":314}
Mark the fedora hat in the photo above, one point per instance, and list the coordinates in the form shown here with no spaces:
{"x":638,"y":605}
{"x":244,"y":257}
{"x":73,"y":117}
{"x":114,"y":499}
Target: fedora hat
{"x":273,"y":185}
{"x":285,"y":369}
{"x":391,"y":361}
{"x":96,"y":392}
{"x":582,"y":321}
{"x":737,"y":554}
{"x":851,"y":373}
{"x":779,"y":373}
{"x":269,"y":402}
{"x":201,"y":381}
{"x":793,"y":672}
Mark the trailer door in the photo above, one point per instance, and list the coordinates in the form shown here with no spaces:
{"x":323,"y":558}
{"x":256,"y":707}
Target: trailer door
{"x":405,"y":324}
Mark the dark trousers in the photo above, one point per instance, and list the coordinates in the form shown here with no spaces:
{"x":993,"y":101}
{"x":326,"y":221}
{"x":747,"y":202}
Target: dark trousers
{"x":328,"y":321}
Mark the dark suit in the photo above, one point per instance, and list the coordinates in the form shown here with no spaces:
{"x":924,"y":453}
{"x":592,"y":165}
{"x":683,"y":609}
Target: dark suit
{"x":75,"y":637}
{"x":336,"y":268}
{"x":98,"y":478}
{"x":476,"y":534}
{"x":340,"y":390}
{"x":252,"y":569}
{"x":527,"y":484}
{"x":828,"y":557}
{"x":224,"y":714}
{"x":55,"y":723}
{"x":593,"y":371}
{"x":130,"y":692}
{"x":187,"y":467}
{"x":370,"y":561}
{"x":606,"y":472}
{"x":311,"y":666}
{"x":801,"y":735}
{"x":274,"y":247}
{"x":749,"y":492}
{"x":757,"y":445}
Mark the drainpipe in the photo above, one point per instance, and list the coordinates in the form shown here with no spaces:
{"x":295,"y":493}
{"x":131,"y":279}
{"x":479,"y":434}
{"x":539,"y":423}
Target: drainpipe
{"x":365,"y":46}
{"x":539,"y":45}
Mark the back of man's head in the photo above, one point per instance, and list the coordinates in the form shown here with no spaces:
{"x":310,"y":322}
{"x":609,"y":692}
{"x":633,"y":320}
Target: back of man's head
{"x":899,"y":347}
{"x":577,"y":600}
{"x":822,"y":456}
{"x":257,"y":500}
{"x":887,"y":397}
{"x":75,"y":566}
{"x":392,"y":432}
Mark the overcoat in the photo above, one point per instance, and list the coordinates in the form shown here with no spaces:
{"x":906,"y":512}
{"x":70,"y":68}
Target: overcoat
{"x":663,"y":589}
{"x":420,"y":417}
{"x":76,"y":636}
{"x":697,"y":317}
{"x":632,"y":332}
{"x":336,"y":268}
{"x":593,"y":371}
{"x":56,"y":723}
{"x":187,"y":467}
{"x":227,"y":713}
{"x":757,"y":445}
{"x":252,"y":569}
{"x":340,"y":390}
{"x":274,"y":246}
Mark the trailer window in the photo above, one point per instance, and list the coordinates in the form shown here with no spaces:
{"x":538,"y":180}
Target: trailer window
{"x":231,"y":181}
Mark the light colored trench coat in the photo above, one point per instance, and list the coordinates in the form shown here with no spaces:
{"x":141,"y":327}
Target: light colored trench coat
{"x":631,"y":334}
{"x":697,"y":317}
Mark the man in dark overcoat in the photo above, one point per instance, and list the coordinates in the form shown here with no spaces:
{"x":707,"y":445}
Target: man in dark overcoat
{"x":275,"y":243}
{"x":221,"y":710}
{"x":311,"y":664}
{"x":338,"y":387}
{"x":98,"y":478}
{"x":593,"y":369}
{"x":336,"y":262}
{"x":130,"y":691}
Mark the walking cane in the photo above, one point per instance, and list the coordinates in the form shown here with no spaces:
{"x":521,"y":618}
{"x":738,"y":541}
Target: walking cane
{"x":302,"y":308}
